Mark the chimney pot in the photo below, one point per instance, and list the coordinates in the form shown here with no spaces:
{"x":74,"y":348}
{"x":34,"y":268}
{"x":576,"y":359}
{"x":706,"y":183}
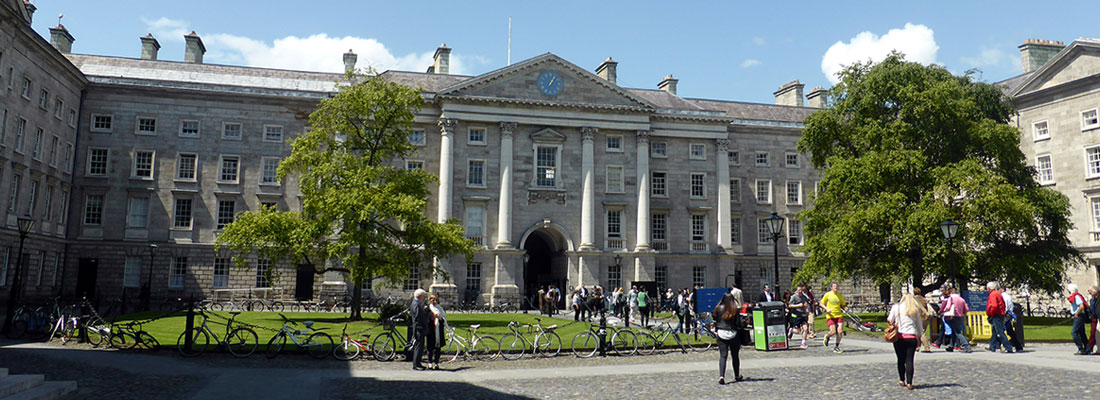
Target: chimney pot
{"x":608,"y":70}
{"x":1034,"y":53}
{"x":817,"y":98}
{"x":350,"y":59}
{"x":61,"y":39}
{"x":789,"y":94}
{"x":668,"y":84}
{"x":30,"y":10}
{"x":149,"y":47}
{"x":194,"y":48}
{"x":442,"y":64}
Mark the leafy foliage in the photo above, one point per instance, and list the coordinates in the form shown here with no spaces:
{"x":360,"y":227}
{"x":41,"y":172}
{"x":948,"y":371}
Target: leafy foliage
{"x":905,"y":147}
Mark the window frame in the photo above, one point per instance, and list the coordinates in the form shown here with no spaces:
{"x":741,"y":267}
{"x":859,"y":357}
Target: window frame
{"x":1088,"y":172}
{"x":767,"y":159}
{"x":408,"y":164}
{"x":198,"y":128}
{"x":701,"y":218}
{"x":194,"y":167}
{"x":109,"y":120}
{"x":607,"y":142}
{"x":1035,"y":130}
{"x":481,"y":222}
{"x":36,"y":150}
{"x":282,"y":133}
{"x":1050,"y":168}
{"x":177,"y":273}
{"x":54,"y":144}
{"x":176,"y":213}
{"x":43,"y":99}
{"x":619,"y":184}
{"x":221,"y":272}
{"x":793,"y":234}
{"x":798,"y":194}
{"x":25,"y":93}
{"x":106,"y":162}
{"x":734,"y":157}
{"x":735,"y":190}
{"x":220,"y":220}
{"x":735,"y":229}
{"x":557,"y":176}
{"x":470,"y":133}
{"x":701,"y":185}
{"x":221,"y":169}
{"x":87,"y":203}
{"x":138,"y":125}
{"x":1095,"y":116}
{"x":225,"y":130}
{"x":13,"y":196}
{"x":663,"y":153}
{"x":20,"y":135}
{"x":691,"y":151}
{"x":59,"y":106}
{"x":653,"y":228}
{"x":263,"y":171}
{"x":663,"y":184}
{"x":423,"y":138}
{"x":130,"y":216}
{"x":481,"y":175}
{"x":152,"y":164}
{"x":608,"y":224}
{"x":131,"y":272}
{"x":756,"y":191}
{"x":787,"y":160}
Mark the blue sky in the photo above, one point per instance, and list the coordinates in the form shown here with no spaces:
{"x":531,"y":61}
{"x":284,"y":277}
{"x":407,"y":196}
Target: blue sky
{"x":722,"y":50}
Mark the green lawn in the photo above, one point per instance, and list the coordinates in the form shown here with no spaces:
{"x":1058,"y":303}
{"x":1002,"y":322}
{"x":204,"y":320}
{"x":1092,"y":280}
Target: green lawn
{"x":1039,"y":329}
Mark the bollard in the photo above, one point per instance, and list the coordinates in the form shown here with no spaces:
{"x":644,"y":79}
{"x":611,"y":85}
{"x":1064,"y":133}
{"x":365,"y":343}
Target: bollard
{"x":82,"y":335}
{"x":602,"y":334}
{"x":248,"y":305}
{"x":187,"y":339}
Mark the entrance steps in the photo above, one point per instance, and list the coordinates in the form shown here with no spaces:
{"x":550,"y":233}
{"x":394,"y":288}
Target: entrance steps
{"x":32,"y":387}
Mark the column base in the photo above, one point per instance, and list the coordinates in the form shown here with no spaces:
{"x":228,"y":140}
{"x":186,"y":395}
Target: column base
{"x":500,"y":294}
{"x":447,"y":292}
{"x":642,"y":247}
{"x":503,"y":246}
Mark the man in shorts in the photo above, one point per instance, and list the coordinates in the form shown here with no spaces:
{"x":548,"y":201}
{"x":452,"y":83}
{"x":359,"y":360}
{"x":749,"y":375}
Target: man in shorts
{"x":799,"y":305}
{"x":834,"y":305}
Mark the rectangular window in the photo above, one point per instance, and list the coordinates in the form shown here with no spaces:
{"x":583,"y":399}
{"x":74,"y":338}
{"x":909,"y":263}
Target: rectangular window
{"x":764,"y":191}
{"x":473,"y":277}
{"x":4,"y":268}
{"x":68,"y":157}
{"x":101,"y":123}
{"x":1092,"y":162}
{"x":762,"y":159}
{"x":54,"y":143}
{"x":659,"y":149}
{"x":614,"y":276}
{"x":230,"y":130}
{"x":1095,"y":214}
{"x":414,"y":165}
{"x":49,"y":204}
{"x":273,"y":133}
{"x":1089,"y":119}
{"x":660,"y":274}
{"x":36,"y":151}
{"x":270,"y":169}
{"x":230,"y":166}
{"x":412,"y":282}
{"x":181,"y":214}
{"x":1040,"y":130}
{"x":762,"y":231}
{"x":475,"y":224}
{"x":1045,"y":167}
{"x":475,"y":173}
{"x":97,"y":161}
{"x":143,"y":164}
{"x":221,"y":272}
{"x":138,"y":216}
{"x":227,"y":209}
{"x":131,"y":275}
{"x":56,"y":268}
{"x":263,"y":270}
{"x":615,"y":224}
{"x":416,"y":137}
{"x":735,"y":229}
{"x":735,"y":190}
{"x":44,"y":99}
{"x":186,"y":165}
{"x":698,"y":151}
{"x":64,"y":207}
{"x":614,"y":143}
{"x":190,"y":128}
{"x":698,"y":227}
{"x":3,"y":127}
{"x":615,"y":179}
{"x":32,"y":200}
{"x":698,"y":185}
{"x":93,"y":209}
{"x":699,"y":276}
{"x":177,"y":275}
{"x":794,"y":231}
{"x":657,"y":226}
{"x":146,"y":126}
{"x":20,"y":130}
{"x":790,"y":160}
{"x":476,"y":136}
{"x":59,"y":106}
{"x":26,"y":92}
{"x":734,"y":157}
{"x":13,"y":195}
{"x":794,"y":192}
{"x":659,"y":185}
{"x":72,"y":118}
{"x":546,"y":164}
{"x":269,"y":205}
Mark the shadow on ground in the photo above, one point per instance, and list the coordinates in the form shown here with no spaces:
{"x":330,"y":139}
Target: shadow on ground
{"x":370,"y":388}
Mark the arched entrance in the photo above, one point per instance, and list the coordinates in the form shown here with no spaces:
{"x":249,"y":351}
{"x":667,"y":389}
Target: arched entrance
{"x":545,"y":264}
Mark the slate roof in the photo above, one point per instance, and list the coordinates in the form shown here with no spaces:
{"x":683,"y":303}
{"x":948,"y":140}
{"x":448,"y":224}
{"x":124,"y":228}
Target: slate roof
{"x":756,"y":111}
{"x":663,"y":99}
{"x":432,"y":83}
{"x":1011,"y":84}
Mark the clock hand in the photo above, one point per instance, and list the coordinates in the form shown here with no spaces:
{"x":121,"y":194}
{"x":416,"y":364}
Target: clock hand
{"x":551,"y":81}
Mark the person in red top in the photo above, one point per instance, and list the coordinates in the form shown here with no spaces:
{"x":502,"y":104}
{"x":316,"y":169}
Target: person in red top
{"x":995,"y":314}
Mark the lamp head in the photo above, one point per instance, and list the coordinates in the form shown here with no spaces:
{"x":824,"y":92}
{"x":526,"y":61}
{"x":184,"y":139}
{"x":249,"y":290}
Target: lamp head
{"x":25,"y":225}
{"x":950,"y":229}
{"x":618,"y":260}
{"x":774,"y":224}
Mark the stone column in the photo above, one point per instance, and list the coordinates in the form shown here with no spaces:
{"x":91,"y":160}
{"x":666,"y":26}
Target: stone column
{"x":723,"y":217}
{"x":446,"y":178}
{"x":588,"y":166}
{"x":504,"y":206}
{"x":641,"y":239}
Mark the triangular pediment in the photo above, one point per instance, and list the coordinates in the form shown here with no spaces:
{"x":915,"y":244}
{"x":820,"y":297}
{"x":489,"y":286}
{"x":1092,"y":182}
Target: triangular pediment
{"x":547,"y":135}
{"x":520,"y":82}
{"x":1079,"y":60}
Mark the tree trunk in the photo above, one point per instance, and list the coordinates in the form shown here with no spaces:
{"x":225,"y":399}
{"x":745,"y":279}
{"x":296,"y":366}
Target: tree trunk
{"x":356,"y":299}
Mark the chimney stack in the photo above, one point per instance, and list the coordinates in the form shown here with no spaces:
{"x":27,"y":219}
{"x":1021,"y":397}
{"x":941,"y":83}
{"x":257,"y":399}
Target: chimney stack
{"x":1035,"y":53}
{"x":61,"y":39}
{"x":668,"y":84}
{"x":149,"y":47}
{"x":789,"y":94}
{"x":30,"y":10}
{"x":442,"y":64}
{"x":608,"y":70}
{"x":818,"y":97}
{"x":349,"y":61}
{"x":194,"y":50}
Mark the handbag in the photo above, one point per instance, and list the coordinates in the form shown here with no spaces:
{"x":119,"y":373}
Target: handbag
{"x":726,"y":334}
{"x":891,"y":334}
{"x":743,"y":335}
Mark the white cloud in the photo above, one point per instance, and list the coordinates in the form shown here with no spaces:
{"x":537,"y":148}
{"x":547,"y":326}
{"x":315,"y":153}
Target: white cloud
{"x":752,"y":62}
{"x":917,"y":42}
{"x":987,"y":57}
{"x":317,"y":52}
{"x":759,"y":41}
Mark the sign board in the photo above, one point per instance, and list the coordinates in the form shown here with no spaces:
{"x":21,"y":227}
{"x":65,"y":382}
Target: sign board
{"x":707,"y":299}
{"x":976,"y":300}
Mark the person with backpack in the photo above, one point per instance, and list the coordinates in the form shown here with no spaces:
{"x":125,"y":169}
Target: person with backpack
{"x":1080,"y":310}
{"x":995,"y":314}
{"x":954,"y":314}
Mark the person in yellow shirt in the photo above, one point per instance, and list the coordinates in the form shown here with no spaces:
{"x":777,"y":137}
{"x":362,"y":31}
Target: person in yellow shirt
{"x":834,"y":304}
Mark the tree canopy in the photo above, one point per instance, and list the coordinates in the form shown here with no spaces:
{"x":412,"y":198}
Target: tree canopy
{"x":904,"y":147}
{"x":362,"y":210}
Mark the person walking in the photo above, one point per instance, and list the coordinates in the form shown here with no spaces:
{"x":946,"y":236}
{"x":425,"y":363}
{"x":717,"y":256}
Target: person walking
{"x":995,"y":314}
{"x":798,"y":305}
{"x":681,"y":309}
{"x":811,"y":310}
{"x":834,"y":304}
{"x":578,"y":302}
{"x":643,"y":306}
{"x":554,"y":296}
{"x":1010,"y":321}
{"x":418,"y":323}
{"x":1094,"y":306}
{"x":1079,"y":309}
{"x":955,"y":316}
{"x":765,"y":295}
{"x":437,"y":331}
{"x":632,"y":302}
{"x":925,"y":338}
{"x":908,"y":314}
{"x":728,"y":324}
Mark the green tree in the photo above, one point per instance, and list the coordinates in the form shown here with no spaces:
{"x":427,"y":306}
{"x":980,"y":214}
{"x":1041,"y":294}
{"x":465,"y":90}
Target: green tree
{"x":362,"y":211}
{"x":904,"y":147}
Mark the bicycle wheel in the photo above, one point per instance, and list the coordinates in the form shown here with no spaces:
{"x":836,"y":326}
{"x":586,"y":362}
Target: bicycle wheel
{"x":276,"y":306}
{"x":242,"y":342}
{"x":319,"y":345}
{"x":200,"y":340}
{"x":123,"y":340}
{"x":145,"y":341}
{"x":702,"y":341}
{"x":549,"y":344}
{"x":275,"y":345}
{"x":485,"y":348}
{"x":97,"y":331}
{"x":512,"y":347}
{"x":585,"y":344}
{"x":624,"y":343}
{"x":215,"y":306}
{"x":384,"y":348}
{"x":346,"y":350}
{"x":647,"y":344}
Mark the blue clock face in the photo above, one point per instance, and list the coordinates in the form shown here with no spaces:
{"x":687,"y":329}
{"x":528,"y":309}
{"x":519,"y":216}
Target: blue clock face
{"x":550,"y":83}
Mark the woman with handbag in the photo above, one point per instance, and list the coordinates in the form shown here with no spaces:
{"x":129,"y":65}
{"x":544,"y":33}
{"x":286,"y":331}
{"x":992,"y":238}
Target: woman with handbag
{"x":906,"y":325}
{"x":727,"y":322}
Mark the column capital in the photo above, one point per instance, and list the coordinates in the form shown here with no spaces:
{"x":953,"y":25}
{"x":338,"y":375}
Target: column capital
{"x":506,"y":128}
{"x":588,"y":133}
{"x":723,"y":144}
{"x":448,"y":125}
{"x":643,"y":136}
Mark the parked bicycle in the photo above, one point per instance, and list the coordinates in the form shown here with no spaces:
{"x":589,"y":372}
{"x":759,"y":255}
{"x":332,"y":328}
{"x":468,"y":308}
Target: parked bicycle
{"x":514,"y":345}
{"x":129,"y":336}
{"x":385,"y":346}
{"x":350,"y":348}
{"x":241,"y":341}
{"x":473,"y":346}
{"x":619,"y":342}
{"x":317,"y":344}
{"x":648,"y":343}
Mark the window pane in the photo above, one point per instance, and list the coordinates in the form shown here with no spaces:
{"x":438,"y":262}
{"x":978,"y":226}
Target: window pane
{"x":139,"y":212}
{"x":226,"y":211}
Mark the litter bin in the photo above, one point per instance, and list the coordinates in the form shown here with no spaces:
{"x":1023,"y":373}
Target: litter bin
{"x":1018,"y":323}
{"x":769,"y":324}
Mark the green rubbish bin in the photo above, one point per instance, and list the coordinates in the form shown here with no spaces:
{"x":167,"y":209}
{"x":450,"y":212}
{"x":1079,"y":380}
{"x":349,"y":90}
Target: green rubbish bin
{"x":769,"y":324}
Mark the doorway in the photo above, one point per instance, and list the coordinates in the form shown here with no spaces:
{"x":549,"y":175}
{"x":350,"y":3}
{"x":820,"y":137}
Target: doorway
{"x":86,"y":275}
{"x":545,"y":264}
{"x":303,"y":285}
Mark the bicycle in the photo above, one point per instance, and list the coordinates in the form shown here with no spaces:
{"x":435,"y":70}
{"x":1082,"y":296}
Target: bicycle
{"x":128,"y":337}
{"x":384,"y":347}
{"x":65,"y":326}
{"x":350,"y":348}
{"x":32,"y":321}
{"x":318,"y":344}
{"x":241,"y":342}
{"x":514,"y":345}
{"x":473,"y":346}
{"x":648,"y":343}
{"x":704,"y":335}
{"x":621,"y":342}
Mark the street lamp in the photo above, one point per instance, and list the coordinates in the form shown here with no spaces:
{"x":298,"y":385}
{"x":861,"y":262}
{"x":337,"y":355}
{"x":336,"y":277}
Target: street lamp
{"x":25,"y":225}
{"x":950,"y":229}
{"x":774,"y":224}
{"x":147,"y":292}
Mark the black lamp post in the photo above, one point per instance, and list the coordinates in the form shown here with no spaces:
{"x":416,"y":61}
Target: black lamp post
{"x":950,"y":229}
{"x":147,"y":292}
{"x":775,"y":229}
{"x":25,"y":225}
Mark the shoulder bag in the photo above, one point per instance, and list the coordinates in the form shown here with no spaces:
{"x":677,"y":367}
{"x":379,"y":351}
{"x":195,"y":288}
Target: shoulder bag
{"x":891,"y":334}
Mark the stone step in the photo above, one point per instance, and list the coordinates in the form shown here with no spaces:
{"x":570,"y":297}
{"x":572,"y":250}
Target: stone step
{"x":3,"y":373}
{"x":13,"y":384}
{"x":49,"y":390}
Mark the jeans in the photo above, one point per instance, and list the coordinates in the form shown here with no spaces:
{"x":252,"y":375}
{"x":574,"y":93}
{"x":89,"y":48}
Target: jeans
{"x":905,"y":349}
{"x":644,"y":312}
{"x":733,"y":347}
{"x":1010,"y":331}
{"x":1092,"y":335}
{"x":957,"y":326}
{"x":998,"y":339}
{"x":1080,"y":338}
